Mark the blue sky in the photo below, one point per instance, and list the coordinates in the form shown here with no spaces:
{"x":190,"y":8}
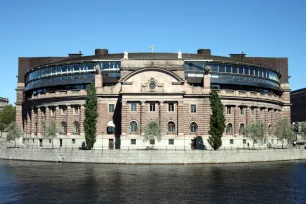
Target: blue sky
{"x":272,"y":28}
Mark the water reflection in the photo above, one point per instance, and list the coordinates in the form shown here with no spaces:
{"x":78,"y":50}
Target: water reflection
{"x":31,"y":182}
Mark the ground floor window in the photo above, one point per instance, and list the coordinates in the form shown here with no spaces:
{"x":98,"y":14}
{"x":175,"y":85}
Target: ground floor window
{"x":76,"y":128}
{"x":171,"y":141}
{"x":152,"y":141}
{"x":133,"y":127}
{"x":231,"y":141}
{"x":193,"y":127}
{"x":133,"y":141}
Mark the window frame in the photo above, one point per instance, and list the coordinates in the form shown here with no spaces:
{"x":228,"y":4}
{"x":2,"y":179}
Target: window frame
{"x":193,"y":110}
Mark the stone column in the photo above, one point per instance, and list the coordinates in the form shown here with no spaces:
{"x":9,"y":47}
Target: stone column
{"x":206,"y":116}
{"x":257,"y":113}
{"x":82,"y":117}
{"x":69,"y":120}
{"x":248,"y":118}
{"x":99,"y":80}
{"x":180,"y":118}
{"x":39,"y":122}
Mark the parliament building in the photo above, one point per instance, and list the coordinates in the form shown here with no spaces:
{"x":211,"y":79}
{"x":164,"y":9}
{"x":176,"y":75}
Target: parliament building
{"x":133,"y":89}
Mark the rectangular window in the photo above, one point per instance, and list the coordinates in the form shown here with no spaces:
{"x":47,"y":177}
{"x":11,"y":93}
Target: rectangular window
{"x":111,"y":108}
{"x":50,"y":141}
{"x":133,"y":141}
{"x":171,"y":141}
{"x":228,"y":110}
{"x":133,"y":107}
{"x":75,"y":110}
{"x":231,"y":141}
{"x":152,"y":141}
{"x":152,"y":106}
{"x":244,"y":141}
{"x":241,"y":111}
{"x":73,"y":141}
{"x":193,"y":108}
{"x":171,"y":106}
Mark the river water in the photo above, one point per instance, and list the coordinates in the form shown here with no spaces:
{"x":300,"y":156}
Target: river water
{"x":40,"y":182}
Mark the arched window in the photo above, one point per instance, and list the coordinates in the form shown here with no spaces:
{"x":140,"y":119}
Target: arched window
{"x":63,"y":128}
{"x":171,"y":127}
{"x":76,"y":128}
{"x":133,"y":127}
{"x":193,"y":127}
{"x":241,"y":129}
{"x":229,"y":129}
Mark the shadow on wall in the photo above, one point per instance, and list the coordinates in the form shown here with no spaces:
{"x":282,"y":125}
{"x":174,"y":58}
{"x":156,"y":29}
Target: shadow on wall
{"x":117,"y":122}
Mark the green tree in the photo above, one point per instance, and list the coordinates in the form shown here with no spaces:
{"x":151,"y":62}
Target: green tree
{"x":284,"y":131}
{"x":13,"y":132}
{"x":217,"y":121}
{"x":255,"y":131}
{"x":51,"y":129}
{"x":7,"y":115}
{"x":303,"y":129}
{"x":152,"y":131}
{"x":91,"y":116}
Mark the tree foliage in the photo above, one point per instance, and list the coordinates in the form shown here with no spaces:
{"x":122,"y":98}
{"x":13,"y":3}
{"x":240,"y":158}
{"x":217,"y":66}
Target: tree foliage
{"x":255,"y":131}
{"x":217,"y":121}
{"x":51,"y":129}
{"x":284,"y":130}
{"x":303,"y":129}
{"x":13,"y":131}
{"x":7,"y":115}
{"x":91,"y":116}
{"x":151,"y":131}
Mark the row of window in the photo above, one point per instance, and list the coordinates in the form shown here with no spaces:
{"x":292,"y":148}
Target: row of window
{"x":111,"y":107}
{"x":229,"y":129}
{"x":52,"y":109}
{"x":70,"y":69}
{"x":234,"y":69}
{"x":242,"y":110}
{"x":193,"y":127}
{"x":62,"y":78}
{"x":62,"y":129}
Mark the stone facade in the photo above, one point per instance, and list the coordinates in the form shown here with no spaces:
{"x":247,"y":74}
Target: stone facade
{"x":3,"y":102}
{"x":149,"y":89}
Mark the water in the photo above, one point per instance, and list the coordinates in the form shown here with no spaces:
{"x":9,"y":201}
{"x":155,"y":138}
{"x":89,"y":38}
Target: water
{"x":40,"y":182}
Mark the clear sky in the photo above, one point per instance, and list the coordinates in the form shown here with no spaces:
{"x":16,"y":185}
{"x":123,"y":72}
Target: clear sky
{"x":271,"y":28}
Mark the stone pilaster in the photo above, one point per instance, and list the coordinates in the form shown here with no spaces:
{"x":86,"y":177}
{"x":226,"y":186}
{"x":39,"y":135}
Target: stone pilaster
{"x":266,"y":120}
{"x":236,"y":119}
{"x":69,"y":120}
{"x":124,"y":122}
{"x":82,"y":117}
{"x":161,"y":117}
{"x":58,"y":119}
{"x":39,"y":132}
{"x":19,"y":118}
{"x":32,"y":122}
{"x":99,"y":80}
{"x":257,"y":113}
{"x":206,"y":116}
{"x":19,"y":100}
{"x":180,"y":118}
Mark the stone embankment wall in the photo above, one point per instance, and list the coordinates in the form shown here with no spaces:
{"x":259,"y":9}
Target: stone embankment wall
{"x":152,"y":156}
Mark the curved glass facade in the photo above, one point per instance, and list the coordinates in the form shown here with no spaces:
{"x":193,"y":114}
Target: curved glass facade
{"x":245,"y":70}
{"x":70,"y":69}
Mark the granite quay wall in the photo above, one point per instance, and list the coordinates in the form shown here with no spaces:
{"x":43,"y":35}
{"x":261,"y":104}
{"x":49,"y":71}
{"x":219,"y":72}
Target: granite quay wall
{"x":151,"y":156}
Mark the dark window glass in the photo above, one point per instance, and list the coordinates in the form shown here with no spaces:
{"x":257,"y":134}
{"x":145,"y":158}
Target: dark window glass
{"x":251,"y":71}
{"x":193,"y":108}
{"x":221,"y":68}
{"x":133,"y":141}
{"x":246,"y":70}
{"x":111,"y":108}
{"x":228,"y":68}
{"x":234,"y":70}
{"x":256,"y":72}
{"x":152,"y":106}
{"x":171,"y":107}
{"x":133,"y":107}
{"x":240,"y":70}
{"x":214,"y":68}
{"x":171,"y":141}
